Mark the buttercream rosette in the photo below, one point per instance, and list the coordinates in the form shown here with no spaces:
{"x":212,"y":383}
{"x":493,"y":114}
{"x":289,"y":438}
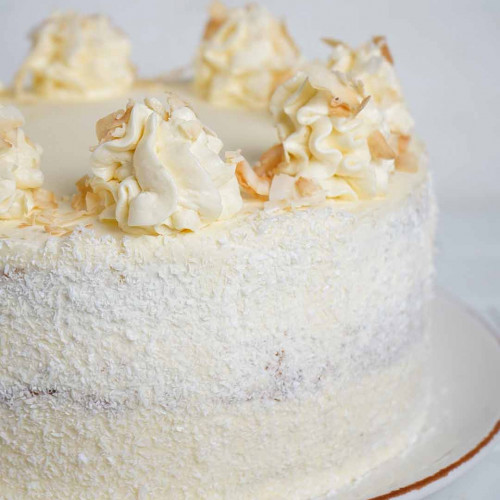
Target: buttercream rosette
{"x":334,"y":142}
{"x":245,"y":53}
{"x":20,"y":174}
{"x":158,"y":169}
{"x":75,"y":55}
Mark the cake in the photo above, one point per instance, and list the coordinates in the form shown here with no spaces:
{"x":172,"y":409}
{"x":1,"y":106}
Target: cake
{"x":231,"y":302}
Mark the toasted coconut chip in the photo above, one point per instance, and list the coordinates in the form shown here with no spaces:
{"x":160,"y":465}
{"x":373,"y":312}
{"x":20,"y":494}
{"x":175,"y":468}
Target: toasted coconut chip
{"x":86,"y":201}
{"x":306,"y":187}
{"x":282,"y":188}
{"x":270,"y":160}
{"x":7,"y":139}
{"x":105,"y":126}
{"x":78,"y":200}
{"x":212,"y":27}
{"x":362,"y":105}
{"x":218,"y":14}
{"x":381,"y":42}
{"x":250,"y":181}
{"x":57,"y":223}
{"x":346,"y":93}
{"x":94,"y":203}
{"x":403,"y":142}
{"x":379,"y":148}
{"x":56,"y":230}
{"x":406,"y":162}
{"x":233,"y":157}
{"x":4,"y":144}
{"x":338,"y":108}
{"x":44,"y":199}
{"x":333,"y":42}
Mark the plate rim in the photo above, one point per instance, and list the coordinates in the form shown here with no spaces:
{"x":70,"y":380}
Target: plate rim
{"x":465,"y":461}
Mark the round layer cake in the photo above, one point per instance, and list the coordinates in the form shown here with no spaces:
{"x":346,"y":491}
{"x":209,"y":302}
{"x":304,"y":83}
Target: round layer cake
{"x":276,"y":353}
{"x":279,"y":354}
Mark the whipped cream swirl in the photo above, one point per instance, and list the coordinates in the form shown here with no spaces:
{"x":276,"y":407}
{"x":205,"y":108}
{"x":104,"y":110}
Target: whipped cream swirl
{"x":20,"y":173}
{"x":244,"y":55}
{"x":73,"y":55}
{"x":158,"y":169}
{"x":372,"y":63}
{"x":333,"y":142}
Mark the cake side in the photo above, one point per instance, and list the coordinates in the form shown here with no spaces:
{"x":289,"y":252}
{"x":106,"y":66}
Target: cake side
{"x":208,"y":355}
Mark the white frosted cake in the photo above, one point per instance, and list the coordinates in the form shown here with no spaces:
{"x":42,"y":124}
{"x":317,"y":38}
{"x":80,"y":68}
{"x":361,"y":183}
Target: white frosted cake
{"x":191,"y":324}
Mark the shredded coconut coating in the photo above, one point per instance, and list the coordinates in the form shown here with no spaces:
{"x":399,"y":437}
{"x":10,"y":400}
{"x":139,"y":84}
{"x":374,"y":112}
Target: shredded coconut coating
{"x":279,"y":353}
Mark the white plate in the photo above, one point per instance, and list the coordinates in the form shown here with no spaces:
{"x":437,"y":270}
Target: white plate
{"x":465,"y":415}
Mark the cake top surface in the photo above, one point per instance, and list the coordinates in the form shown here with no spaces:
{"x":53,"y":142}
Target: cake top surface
{"x":334,"y":133}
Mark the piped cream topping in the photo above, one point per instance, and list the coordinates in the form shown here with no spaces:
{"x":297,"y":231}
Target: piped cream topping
{"x":74,"y":55}
{"x":372,"y":63}
{"x":157,"y":168}
{"x":245,"y":53}
{"x":334,"y":142}
{"x":20,"y":174}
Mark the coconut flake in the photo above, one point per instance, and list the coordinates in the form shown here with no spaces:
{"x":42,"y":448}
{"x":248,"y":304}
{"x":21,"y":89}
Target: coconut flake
{"x":379,"y":147}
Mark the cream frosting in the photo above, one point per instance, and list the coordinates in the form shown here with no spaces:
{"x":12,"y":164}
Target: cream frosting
{"x":372,"y":63}
{"x":157,"y":168}
{"x":183,"y":366}
{"x":20,"y":172}
{"x":76,"y":55}
{"x":244,"y":55}
{"x":334,"y":142}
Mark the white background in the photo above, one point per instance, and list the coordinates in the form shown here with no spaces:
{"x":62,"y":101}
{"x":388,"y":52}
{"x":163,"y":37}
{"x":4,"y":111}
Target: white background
{"x":447,"y":57}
